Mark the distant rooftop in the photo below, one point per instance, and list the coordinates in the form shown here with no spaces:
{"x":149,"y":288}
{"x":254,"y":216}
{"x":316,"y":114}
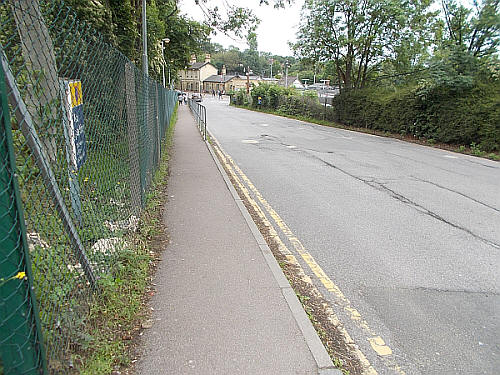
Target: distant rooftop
{"x":219,"y":78}
{"x":197,"y":65}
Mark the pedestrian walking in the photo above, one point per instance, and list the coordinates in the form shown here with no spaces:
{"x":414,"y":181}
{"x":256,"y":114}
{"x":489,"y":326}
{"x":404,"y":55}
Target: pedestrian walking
{"x":180,"y":99}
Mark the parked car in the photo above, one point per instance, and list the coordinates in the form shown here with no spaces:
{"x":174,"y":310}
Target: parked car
{"x":196,"y":97}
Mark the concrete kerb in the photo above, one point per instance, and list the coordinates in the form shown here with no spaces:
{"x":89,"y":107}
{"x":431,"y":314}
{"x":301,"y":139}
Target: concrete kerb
{"x":318,"y":351}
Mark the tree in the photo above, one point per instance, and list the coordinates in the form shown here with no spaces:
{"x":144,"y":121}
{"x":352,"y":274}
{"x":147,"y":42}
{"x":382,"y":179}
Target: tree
{"x":357,"y":34}
{"x":126,"y":29}
{"x":237,"y":20}
{"x":466,"y":49}
{"x":34,"y":36}
{"x":120,"y":22}
{"x":476,"y":30}
{"x":411,"y":49}
{"x":231,"y":58}
{"x":96,"y":14}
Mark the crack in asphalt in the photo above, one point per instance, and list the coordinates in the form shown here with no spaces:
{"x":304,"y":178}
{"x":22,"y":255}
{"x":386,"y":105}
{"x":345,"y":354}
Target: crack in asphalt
{"x":381,"y":187}
{"x":438,"y":290}
{"x":481,"y":164}
{"x":424,"y":163}
{"x":456,"y":192}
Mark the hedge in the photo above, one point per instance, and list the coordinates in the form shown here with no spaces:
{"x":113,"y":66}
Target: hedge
{"x":467,"y":116}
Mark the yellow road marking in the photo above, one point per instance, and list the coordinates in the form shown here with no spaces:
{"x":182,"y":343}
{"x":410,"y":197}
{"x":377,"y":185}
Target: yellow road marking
{"x":367,"y":367}
{"x":376,"y":342}
{"x":379,"y":346}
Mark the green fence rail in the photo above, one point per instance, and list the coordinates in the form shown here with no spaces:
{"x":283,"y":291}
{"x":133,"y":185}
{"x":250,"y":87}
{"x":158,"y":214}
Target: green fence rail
{"x":81,"y":130}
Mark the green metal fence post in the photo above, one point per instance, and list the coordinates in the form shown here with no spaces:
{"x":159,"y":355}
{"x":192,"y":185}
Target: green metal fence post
{"x":21,"y":343}
{"x":133,"y":139}
{"x":158,"y":121}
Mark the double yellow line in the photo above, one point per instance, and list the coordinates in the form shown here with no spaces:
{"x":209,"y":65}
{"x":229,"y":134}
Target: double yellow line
{"x":245,"y":186}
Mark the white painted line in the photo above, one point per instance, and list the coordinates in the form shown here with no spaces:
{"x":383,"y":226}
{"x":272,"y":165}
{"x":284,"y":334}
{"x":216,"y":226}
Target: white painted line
{"x":451,"y":157}
{"x":249,"y":141}
{"x":291,"y":146}
{"x":264,"y":124}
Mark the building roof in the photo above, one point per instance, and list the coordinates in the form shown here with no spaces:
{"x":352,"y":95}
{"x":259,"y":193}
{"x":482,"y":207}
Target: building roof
{"x":251,"y":78}
{"x":289,"y":81}
{"x":219,"y":78}
{"x":198,"y":65}
{"x":226,"y":78}
{"x":320,"y":86}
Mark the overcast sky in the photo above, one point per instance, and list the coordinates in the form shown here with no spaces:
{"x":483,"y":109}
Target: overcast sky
{"x":276,"y":29}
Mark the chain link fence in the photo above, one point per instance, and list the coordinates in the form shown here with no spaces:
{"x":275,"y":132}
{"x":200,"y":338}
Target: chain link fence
{"x":81,"y":130}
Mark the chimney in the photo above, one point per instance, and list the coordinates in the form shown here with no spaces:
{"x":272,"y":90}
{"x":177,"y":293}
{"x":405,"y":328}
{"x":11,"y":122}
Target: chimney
{"x":193,"y":58}
{"x":223,"y":70}
{"x":207,"y":58}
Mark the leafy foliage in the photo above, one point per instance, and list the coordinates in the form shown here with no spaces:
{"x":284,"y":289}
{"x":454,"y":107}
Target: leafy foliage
{"x":476,"y":30}
{"x":286,"y":101}
{"x":120,"y":22}
{"x":358,"y":35}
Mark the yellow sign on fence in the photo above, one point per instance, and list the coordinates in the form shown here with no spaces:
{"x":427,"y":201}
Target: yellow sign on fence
{"x":76,"y":93}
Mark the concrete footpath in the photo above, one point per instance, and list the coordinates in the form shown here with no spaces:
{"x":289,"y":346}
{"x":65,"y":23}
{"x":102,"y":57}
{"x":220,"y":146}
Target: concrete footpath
{"x":222,"y":305}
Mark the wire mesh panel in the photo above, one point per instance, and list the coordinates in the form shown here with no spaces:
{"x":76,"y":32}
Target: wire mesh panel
{"x":87,"y":129}
{"x":20,"y":338}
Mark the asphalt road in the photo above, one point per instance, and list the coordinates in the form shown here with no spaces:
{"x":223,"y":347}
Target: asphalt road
{"x":410,"y":234}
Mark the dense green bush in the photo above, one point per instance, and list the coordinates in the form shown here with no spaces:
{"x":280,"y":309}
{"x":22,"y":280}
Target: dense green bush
{"x":286,"y":101}
{"x":377,"y":110}
{"x":240,"y":97}
{"x":469,"y":115}
{"x":270,"y":95}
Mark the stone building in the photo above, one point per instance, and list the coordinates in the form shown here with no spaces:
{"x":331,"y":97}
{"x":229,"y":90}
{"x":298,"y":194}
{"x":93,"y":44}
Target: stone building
{"x":191,"y":78}
{"x":229,"y":82}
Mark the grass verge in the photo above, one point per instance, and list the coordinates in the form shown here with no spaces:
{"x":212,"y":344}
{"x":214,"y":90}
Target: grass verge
{"x":118,"y":311}
{"x":473,"y":149}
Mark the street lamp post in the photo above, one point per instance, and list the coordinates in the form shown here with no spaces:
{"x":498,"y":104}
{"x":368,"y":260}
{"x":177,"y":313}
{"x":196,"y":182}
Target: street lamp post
{"x":323,"y":81}
{"x":144,"y":40}
{"x":286,"y":73}
{"x":164,"y":40}
{"x":169,"y":80}
{"x":248,"y":80}
{"x":314,"y":78}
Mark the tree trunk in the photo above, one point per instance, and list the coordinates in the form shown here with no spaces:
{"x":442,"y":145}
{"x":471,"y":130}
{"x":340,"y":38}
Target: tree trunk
{"x":348,"y":68}
{"x":38,"y":53}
